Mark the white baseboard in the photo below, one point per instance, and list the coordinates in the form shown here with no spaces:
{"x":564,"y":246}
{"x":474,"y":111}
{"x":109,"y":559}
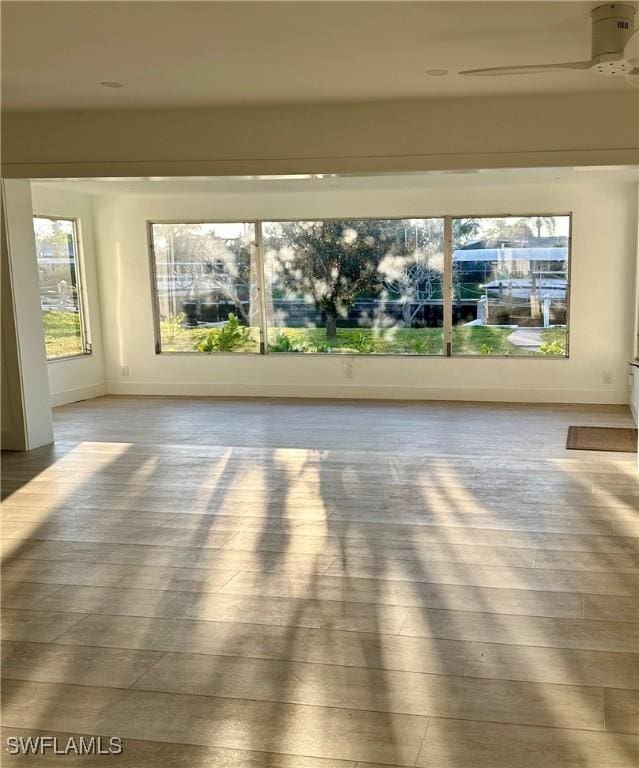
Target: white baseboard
{"x":370,"y":392}
{"x":79,"y":393}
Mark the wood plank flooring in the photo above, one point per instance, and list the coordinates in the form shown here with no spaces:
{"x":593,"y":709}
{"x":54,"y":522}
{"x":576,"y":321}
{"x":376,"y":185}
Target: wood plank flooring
{"x":288,"y":584}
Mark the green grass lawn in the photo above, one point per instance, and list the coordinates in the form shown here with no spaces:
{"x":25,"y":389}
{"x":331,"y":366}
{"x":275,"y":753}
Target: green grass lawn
{"x":62,"y":334}
{"x":493,"y":340}
{"x":467,"y":340}
{"x":426,"y":341}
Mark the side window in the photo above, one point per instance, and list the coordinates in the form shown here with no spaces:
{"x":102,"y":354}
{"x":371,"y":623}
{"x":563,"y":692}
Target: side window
{"x":61,"y":294}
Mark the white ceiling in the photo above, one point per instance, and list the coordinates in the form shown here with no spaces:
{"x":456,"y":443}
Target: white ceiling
{"x":300,"y":184}
{"x":172,"y":54}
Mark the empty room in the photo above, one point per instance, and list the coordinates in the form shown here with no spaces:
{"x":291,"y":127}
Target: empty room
{"x":320,"y":384}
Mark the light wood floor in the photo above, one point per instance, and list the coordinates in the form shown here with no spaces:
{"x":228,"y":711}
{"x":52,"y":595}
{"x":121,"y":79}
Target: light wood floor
{"x":323,"y":585}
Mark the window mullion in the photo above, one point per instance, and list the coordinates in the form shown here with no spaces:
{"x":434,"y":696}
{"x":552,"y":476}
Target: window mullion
{"x":448,"y":286}
{"x":85,"y":329}
{"x":261,"y":286}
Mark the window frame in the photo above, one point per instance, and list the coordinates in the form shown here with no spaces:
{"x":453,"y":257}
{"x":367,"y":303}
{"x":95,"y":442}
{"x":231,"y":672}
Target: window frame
{"x":567,"y":214}
{"x":447,"y":285}
{"x":374,"y":355}
{"x":83,"y":299}
{"x":155,"y":300}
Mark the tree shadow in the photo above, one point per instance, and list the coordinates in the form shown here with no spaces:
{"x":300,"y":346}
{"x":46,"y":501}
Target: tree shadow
{"x":314,"y":533}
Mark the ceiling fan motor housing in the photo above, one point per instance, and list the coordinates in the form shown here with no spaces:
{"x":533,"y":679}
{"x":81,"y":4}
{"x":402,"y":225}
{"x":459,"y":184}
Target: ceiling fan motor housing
{"x":612,"y":27}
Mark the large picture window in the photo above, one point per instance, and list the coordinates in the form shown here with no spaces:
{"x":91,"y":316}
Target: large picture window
{"x":510,"y":285}
{"x":355,"y":286}
{"x":61,"y":297}
{"x":416,"y":286}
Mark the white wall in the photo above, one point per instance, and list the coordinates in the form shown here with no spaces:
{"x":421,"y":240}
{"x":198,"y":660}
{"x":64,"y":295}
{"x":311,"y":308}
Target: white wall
{"x":82,"y":377}
{"x":634,"y":369}
{"x":24,"y":371}
{"x":602,"y":299}
{"x":11,"y":411}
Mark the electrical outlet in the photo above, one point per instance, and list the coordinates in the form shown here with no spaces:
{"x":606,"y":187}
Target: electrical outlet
{"x":348,"y":369}
{"x":124,"y":370}
{"x":607,"y":377}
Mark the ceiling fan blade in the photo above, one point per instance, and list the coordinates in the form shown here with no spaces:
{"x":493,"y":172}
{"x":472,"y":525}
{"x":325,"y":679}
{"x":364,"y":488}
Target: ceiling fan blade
{"x":528,"y":69}
{"x":631,"y":51}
